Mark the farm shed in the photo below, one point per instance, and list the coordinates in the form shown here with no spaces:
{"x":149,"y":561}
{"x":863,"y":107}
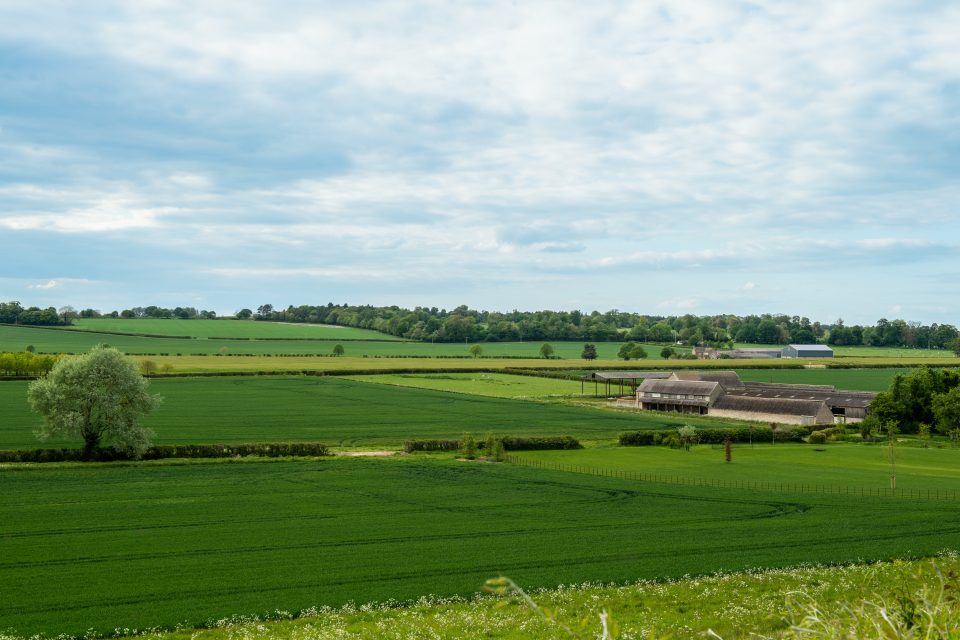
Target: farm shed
{"x":612,"y":379}
{"x":782,"y":410}
{"x":751,"y":354}
{"x":850,"y":405}
{"x":727,"y":379}
{"x":807,"y":351}
{"x":684,"y":396}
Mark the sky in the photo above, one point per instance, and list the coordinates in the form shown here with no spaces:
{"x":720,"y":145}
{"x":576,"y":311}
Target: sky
{"x":657,"y":157}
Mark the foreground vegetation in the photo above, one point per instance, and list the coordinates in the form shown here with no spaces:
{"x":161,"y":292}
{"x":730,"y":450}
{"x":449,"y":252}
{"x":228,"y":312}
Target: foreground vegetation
{"x":159,"y":544}
{"x":848,"y":601}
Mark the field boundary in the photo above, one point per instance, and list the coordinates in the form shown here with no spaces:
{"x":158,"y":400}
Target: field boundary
{"x":772,"y":487}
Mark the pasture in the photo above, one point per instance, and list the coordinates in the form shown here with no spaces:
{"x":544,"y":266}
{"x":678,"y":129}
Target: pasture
{"x":497,"y":385}
{"x":851,"y":465}
{"x":224,"y":328}
{"x":142,"y":545}
{"x":336,"y":412}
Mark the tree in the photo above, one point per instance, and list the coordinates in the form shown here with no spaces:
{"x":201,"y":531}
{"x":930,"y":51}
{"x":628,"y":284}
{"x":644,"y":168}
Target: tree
{"x":244,"y":314}
{"x":626,"y":350}
{"x":946,"y":409}
{"x":638,"y":352}
{"x":589,"y":351}
{"x":476,"y":350}
{"x":98,"y":396}
{"x":338,"y":350}
{"x":667,"y":352}
{"x":546,"y":350}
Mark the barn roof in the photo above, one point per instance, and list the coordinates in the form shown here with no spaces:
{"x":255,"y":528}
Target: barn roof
{"x":603,"y":376}
{"x":811,"y":347}
{"x":752,"y":404}
{"x":832,"y":396}
{"x":682,"y":387}
{"x":727,"y":379}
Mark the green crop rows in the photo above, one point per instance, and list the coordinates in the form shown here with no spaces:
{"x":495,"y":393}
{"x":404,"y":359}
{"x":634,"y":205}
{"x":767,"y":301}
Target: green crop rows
{"x":227,"y":329}
{"x":337,"y":412}
{"x":143,"y":545}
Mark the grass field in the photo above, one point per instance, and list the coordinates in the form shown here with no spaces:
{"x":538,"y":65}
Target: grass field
{"x":851,"y":379}
{"x":227,"y":329}
{"x":336,"y":411}
{"x":834,"y":465}
{"x":132,"y":546}
{"x":869,"y":352}
{"x":497,"y":385}
{"x":767,"y":604}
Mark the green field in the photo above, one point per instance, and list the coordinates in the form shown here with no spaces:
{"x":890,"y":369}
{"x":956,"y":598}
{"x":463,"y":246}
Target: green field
{"x":133,"y":546}
{"x":497,"y":385}
{"x":833,"y":465}
{"x":336,"y":411}
{"x":226,"y":329}
{"x":851,"y":379}
{"x":353,"y":341}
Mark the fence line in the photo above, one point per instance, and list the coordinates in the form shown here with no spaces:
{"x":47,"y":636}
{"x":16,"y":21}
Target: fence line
{"x":912,"y":493}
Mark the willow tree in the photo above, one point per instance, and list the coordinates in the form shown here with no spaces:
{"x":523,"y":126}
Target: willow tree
{"x":99,"y":397}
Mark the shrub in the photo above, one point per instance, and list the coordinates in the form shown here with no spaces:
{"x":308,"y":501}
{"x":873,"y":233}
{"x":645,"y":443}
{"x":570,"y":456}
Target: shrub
{"x":431,"y":445}
{"x":159,"y":452}
{"x":785,"y":433}
{"x":817,"y":437}
{"x":468,"y":447}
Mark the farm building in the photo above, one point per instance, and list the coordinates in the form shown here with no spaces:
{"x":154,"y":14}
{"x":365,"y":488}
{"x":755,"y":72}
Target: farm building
{"x":683,"y":396}
{"x":612,"y":379}
{"x":750,"y":354}
{"x":724,"y":394}
{"x":807,"y":351}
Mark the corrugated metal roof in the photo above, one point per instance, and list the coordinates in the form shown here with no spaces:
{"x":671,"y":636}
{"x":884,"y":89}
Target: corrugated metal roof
{"x":603,"y":376}
{"x":784,"y":406}
{"x":810,"y":347}
{"x":727,"y":379}
{"x":682,"y":387}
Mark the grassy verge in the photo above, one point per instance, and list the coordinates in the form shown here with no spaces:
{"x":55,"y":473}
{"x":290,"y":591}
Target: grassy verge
{"x":809,"y":602}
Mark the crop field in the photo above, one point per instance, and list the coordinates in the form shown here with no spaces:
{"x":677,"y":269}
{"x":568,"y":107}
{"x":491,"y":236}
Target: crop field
{"x":851,"y":379}
{"x":132,"y":546}
{"x":497,"y":385}
{"x":64,"y":340}
{"x":835,"y":465}
{"x":226,"y":329}
{"x":336,"y":411}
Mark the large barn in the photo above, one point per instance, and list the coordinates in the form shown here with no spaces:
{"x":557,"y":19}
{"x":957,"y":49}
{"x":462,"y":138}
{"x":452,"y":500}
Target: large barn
{"x":807,"y":351}
{"x":724,"y":394}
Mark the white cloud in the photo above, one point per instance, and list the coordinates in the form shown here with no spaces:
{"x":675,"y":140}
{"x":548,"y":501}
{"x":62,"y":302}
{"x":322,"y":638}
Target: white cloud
{"x":49,"y":284}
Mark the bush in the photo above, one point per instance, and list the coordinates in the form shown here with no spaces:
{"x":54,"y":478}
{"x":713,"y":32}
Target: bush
{"x":159,"y":452}
{"x":431,"y":445}
{"x":785,"y":433}
{"x":817,"y":437}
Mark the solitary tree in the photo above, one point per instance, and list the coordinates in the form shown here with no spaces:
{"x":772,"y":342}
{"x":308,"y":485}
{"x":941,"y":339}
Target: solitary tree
{"x":476,"y":350}
{"x":546,"y":350}
{"x":98,"y":396}
{"x":638,"y":352}
{"x":589,"y":351}
{"x":667,"y":352}
{"x":338,"y":350}
{"x":244,"y":314}
{"x":626,"y":350}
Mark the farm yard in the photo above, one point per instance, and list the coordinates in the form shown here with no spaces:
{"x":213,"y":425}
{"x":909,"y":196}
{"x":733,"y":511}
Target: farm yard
{"x":136,"y":546}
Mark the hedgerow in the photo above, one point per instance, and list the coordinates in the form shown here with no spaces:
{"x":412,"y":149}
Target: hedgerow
{"x":159,"y":452}
{"x":542,"y":443}
{"x":787,"y":433}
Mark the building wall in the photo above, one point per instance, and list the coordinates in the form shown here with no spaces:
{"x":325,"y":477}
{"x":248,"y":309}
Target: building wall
{"x":779,"y":418}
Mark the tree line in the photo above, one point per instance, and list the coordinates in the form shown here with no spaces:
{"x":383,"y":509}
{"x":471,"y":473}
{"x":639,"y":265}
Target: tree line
{"x":464,"y":324}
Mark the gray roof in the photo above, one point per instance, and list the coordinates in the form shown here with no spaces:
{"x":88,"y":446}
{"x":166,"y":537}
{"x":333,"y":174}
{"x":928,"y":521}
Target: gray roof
{"x":727,"y":379}
{"x":810,"y":347}
{"x":682,"y":387}
{"x":603,"y":376}
{"x":833,"y":397}
{"x":783,"y":406}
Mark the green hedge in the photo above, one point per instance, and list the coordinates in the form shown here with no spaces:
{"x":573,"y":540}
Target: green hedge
{"x":509,"y":443}
{"x":791,"y":433}
{"x":158,"y":452}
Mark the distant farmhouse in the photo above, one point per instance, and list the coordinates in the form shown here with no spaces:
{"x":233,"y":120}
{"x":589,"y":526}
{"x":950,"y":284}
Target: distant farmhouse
{"x":723,"y":394}
{"x":789,"y":351}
